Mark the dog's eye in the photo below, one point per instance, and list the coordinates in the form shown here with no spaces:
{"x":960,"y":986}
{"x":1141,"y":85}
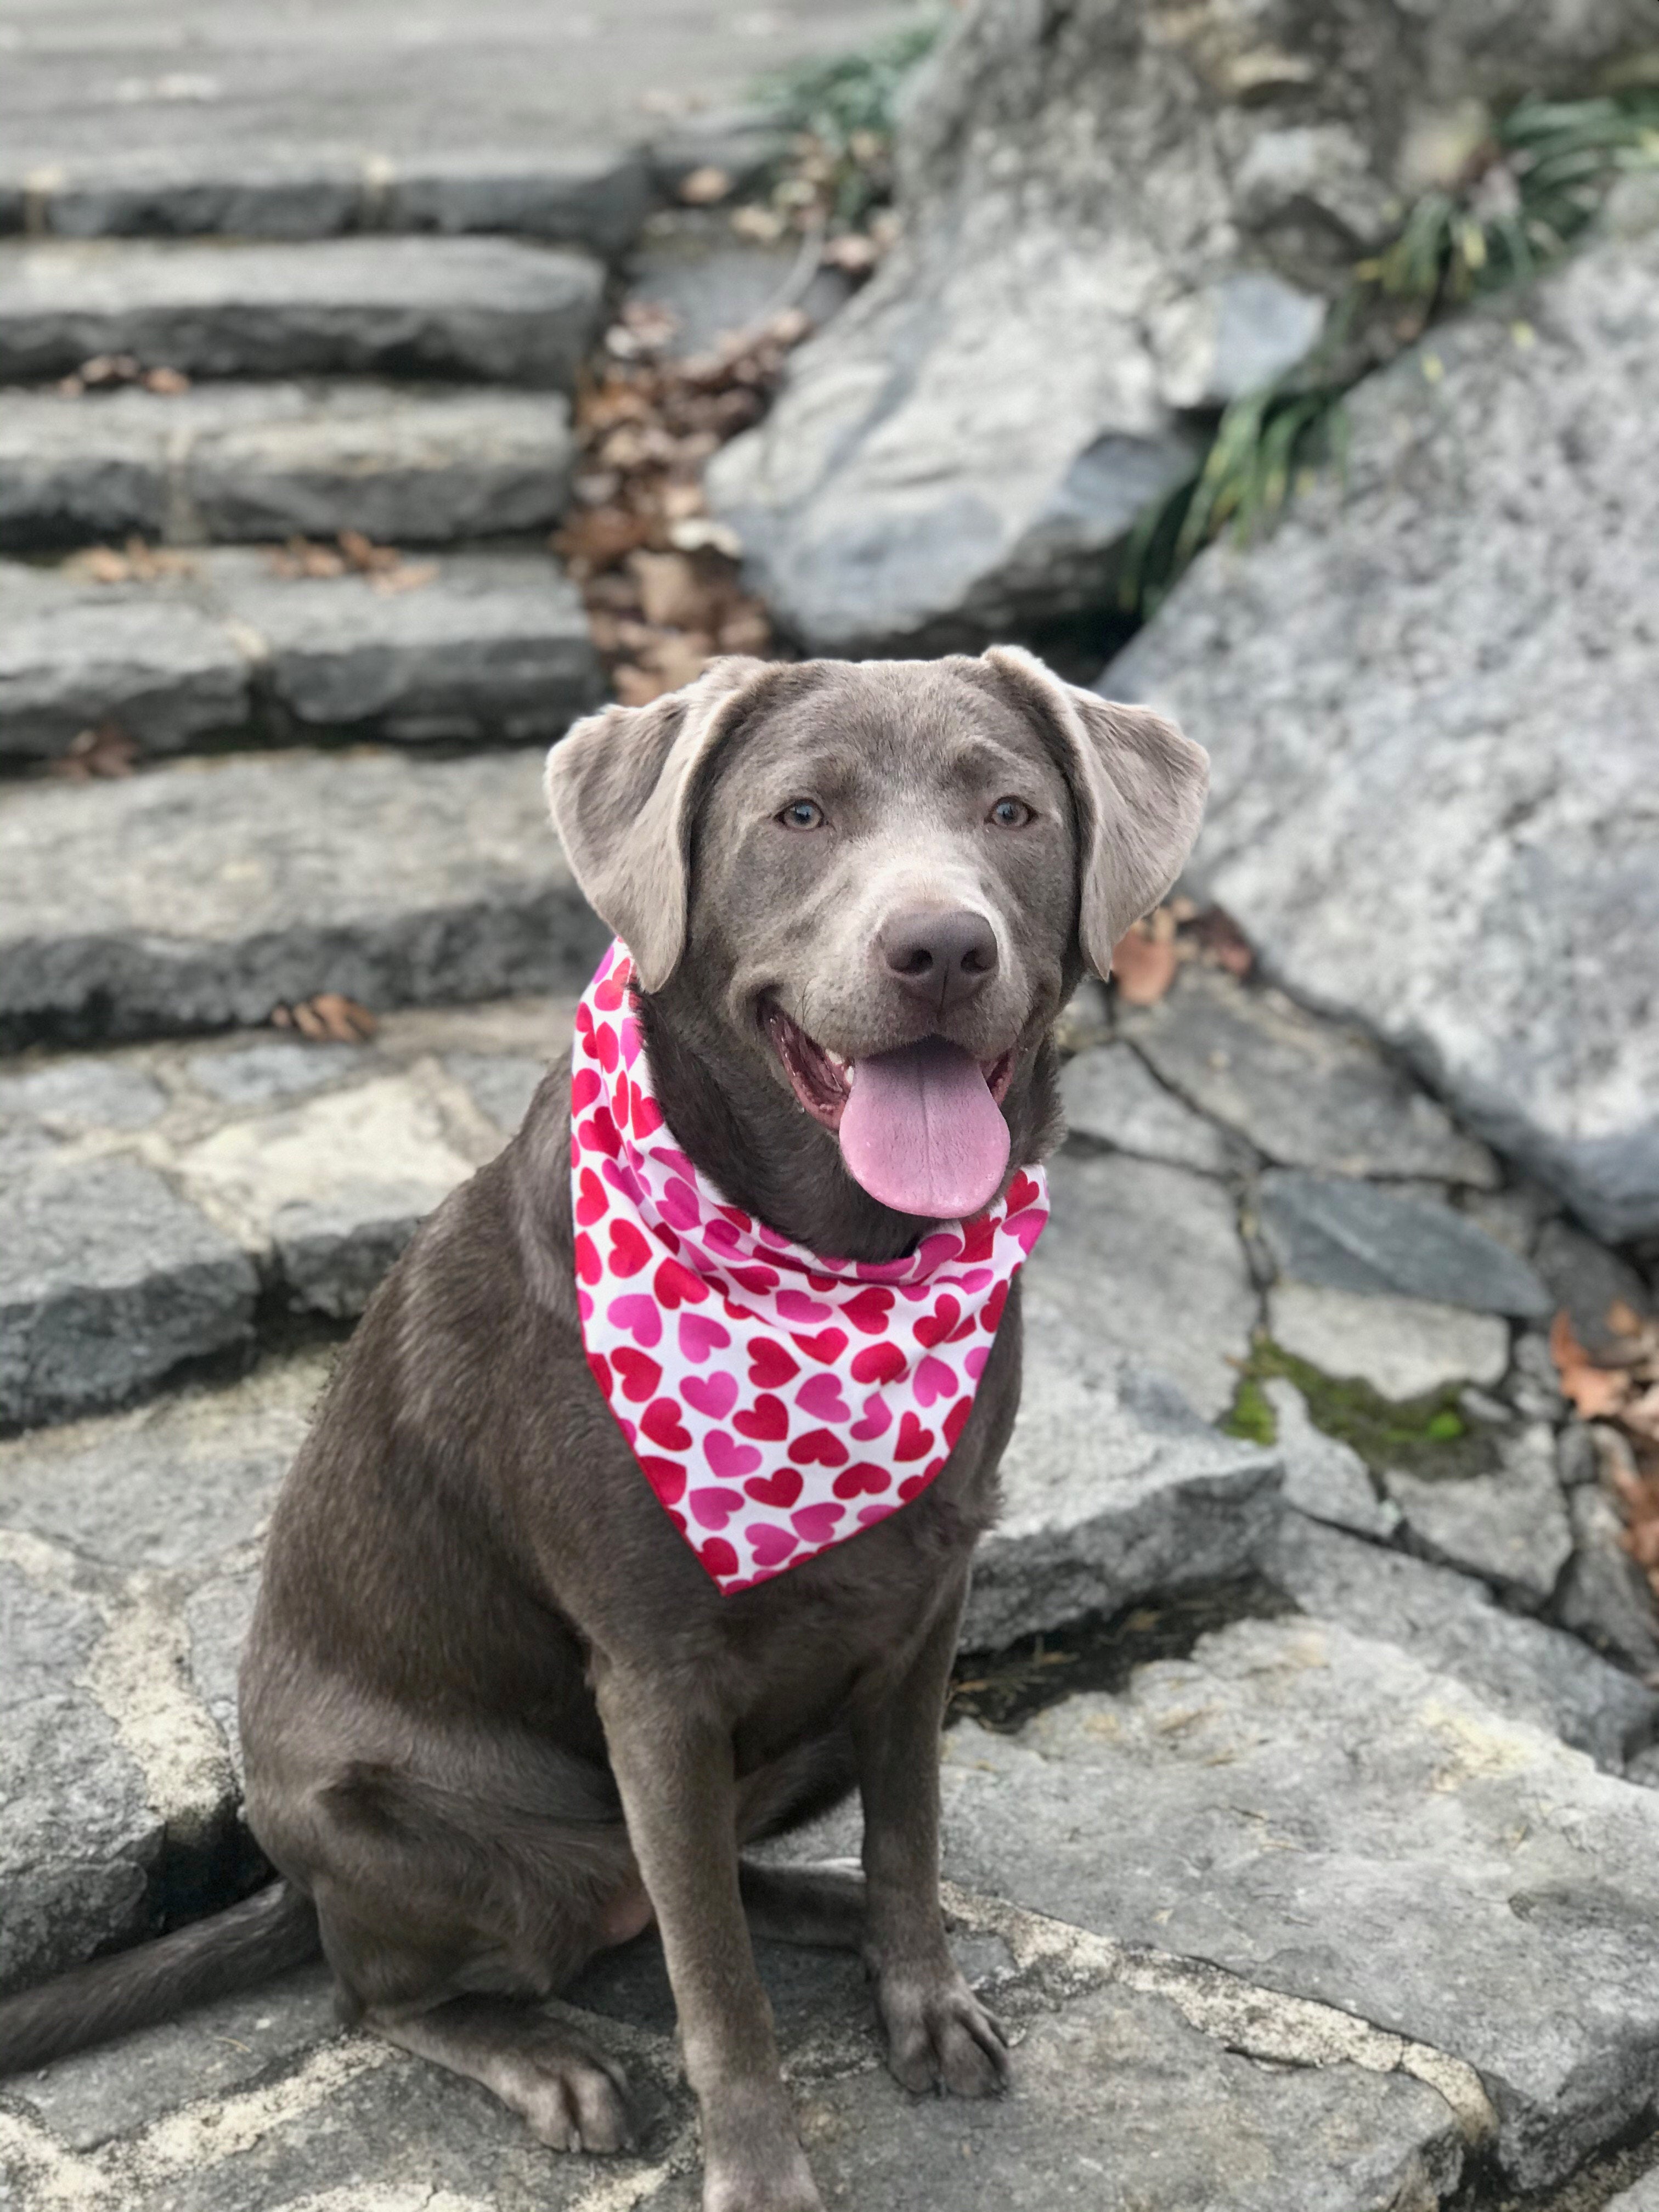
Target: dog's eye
{"x":802,"y":814}
{"x":1011,"y":814}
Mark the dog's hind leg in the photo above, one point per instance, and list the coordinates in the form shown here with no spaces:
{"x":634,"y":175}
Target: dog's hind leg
{"x":569,"y":2095}
{"x":821,"y":1906}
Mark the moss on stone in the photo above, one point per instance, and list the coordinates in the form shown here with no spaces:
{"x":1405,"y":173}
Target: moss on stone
{"x":1426,"y":1435}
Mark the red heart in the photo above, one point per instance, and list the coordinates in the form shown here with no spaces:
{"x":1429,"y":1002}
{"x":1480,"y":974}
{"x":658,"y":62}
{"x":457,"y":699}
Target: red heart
{"x":766,"y":1419}
{"x":642,"y":1375}
{"x":914,"y":1484}
{"x":629,"y":1250}
{"x":877,"y":1362}
{"x":956,"y":1420}
{"x":868,"y":1311}
{"x":781,"y":1488}
{"x":666,"y":1476}
{"x":854,"y":1481}
{"x":674,"y":1284}
{"x":609,"y":993}
{"x":819,"y":1445}
{"x":991,"y":1312}
{"x":755,"y":1280}
{"x":584,"y":1088}
{"x":590,"y":1198}
{"x":644,"y":1114}
{"x":977,"y":1237}
{"x":597,"y":1134}
{"x":913,"y":1440}
{"x":770,"y":1365}
{"x":600,"y":1367}
{"x":1022,"y":1192}
{"x":661,"y":1423}
{"x":718,"y":1557}
{"x":935,"y":1327}
{"x":829,"y":1344}
{"x":589,"y":1266}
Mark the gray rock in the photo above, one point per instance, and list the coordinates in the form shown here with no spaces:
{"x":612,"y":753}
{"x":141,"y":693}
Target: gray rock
{"x":79,"y":1839}
{"x":1520,"y":1667}
{"x":597,"y":200}
{"x":1510,"y":1527}
{"x":1403,"y":1348}
{"x":1604,"y":1594}
{"x":1642,"y":2197}
{"x":72,"y":1094}
{"x":1111,"y":1095}
{"x":1107,"y":222}
{"x":174,"y":1485}
{"x":217,"y":1617}
{"x":1587,"y":1279}
{"x":199,"y":896}
{"x":1150,"y":1256}
{"x":333,"y":1256}
{"x":72,"y":656}
{"x":76,"y":470}
{"x":1442,"y":858}
{"x":501,"y":1085}
{"x":1307,"y":1093}
{"x":1327,"y":1816}
{"x":167,"y":195}
{"x":1324,"y":1477}
{"x":716,"y":285}
{"x":495,"y":646}
{"x":258,"y":1075}
{"x":108,"y":1280}
{"x":487,"y":307}
{"x":1345,"y":1235}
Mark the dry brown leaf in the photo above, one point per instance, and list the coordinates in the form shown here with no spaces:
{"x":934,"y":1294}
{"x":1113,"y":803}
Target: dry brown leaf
{"x":1144,"y":964}
{"x":1594,"y":1392}
{"x":104,"y":752}
{"x":706,"y":186}
{"x":408,"y":576}
{"x":169,"y":382}
{"x":326,"y":1018}
{"x":103,"y":564}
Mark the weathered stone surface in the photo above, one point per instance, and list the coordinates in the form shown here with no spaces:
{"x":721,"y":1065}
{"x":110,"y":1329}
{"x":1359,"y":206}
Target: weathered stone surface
{"x":1307,"y":1093}
{"x":108,"y":1279}
{"x":201,"y":895}
{"x":1150,"y":1254}
{"x":1327,"y":1816}
{"x":1441,"y":854}
{"x":716,"y":285}
{"x":1111,"y":218}
{"x":488,"y":307}
{"x":217,"y":1617}
{"x":1520,"y":1667}
{"x":1643,"y":2198}
{"x":501,"y":1085}
{"x":1345,"y":1235}
{"x":71,"y":1096}
{"x":1324,"y":1477}
{"x":70,"y":472}
{"x":256,"y":1074}
{"x":162,"y":194}
{"x":1403,"y":1348}
{"x":1111,"y":1096}
{"x":1587,"y":1279}
{"x":72,"y":656}
{"x":1604,"y":1594}
{"x":597,"y":200}
{"x":1510,"y":1527}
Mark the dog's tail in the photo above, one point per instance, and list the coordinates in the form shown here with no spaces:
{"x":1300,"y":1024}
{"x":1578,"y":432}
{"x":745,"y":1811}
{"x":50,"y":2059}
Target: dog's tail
{"x":275,"y":1928}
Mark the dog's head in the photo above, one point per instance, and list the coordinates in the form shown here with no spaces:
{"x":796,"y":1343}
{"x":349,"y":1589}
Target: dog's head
{"x":887,"y":875}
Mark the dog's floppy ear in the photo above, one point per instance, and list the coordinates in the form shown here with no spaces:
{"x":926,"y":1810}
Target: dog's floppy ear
{"x":622,"y":788}
{"x":1140,"y":786}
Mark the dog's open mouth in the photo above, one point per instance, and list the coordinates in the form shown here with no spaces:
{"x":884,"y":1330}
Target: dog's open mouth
{"x":920,"y":1128}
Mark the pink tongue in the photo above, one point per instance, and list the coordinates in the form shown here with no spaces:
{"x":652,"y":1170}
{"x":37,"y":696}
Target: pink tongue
{"x":922,"y":1133}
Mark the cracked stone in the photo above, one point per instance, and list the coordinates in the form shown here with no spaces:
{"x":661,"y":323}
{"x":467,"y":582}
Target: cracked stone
{"x":1345,"y":1235}
{"x":1510,"y":1527}
{"x":1111,"y":1095}
{"x":1403,"y":1348}
{"x":1324,"y":1477}
{"x":1604,"y":1594}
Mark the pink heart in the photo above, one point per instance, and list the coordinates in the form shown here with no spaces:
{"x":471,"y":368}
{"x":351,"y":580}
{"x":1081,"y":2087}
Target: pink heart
{"x":770,"y":1544}
{"x":975,"y":1361}
{"x":722,"y":1235}
{"x":638,"y":1315}
{"x":679,"y":1203}
{"x":869,"y":1515}
{"x":975,"y":1279}
{"x":820,"y":1397}
{"x":621,"y":1177}
{"x":933,"y":1251}
{"x":714,"y":1394}
{"x":876,"y":1417}
{"x":1027,"y":1226}
{"x":728,"y":1458}
{"x":795,"y":1305}
{"x":934,"y":1380}
{"x":699,"y":1336}
{"x":713,"y":1508}
{"x":631,"y":1040}
{"x":675,"y":1160}
{"x":816,"y":1523}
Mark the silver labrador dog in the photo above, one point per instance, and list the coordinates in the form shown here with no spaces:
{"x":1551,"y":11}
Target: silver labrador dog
{"x":496,"y":1717}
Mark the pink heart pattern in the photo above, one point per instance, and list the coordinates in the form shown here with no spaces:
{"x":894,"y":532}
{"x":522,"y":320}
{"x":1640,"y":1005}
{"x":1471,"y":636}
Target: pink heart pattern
{"x":668,"y":1267}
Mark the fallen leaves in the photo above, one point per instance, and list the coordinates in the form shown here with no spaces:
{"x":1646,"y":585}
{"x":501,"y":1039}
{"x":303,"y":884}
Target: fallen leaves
{"x":1145,"y":962}
{"x":658,"y":574}
{"x":97,"y":755}
{"x":352,"y":553}
{"x":1619,"y":1393}
{"x":327,"y":1018}
{"x":105,"y":369}
{"x":136,"y":562}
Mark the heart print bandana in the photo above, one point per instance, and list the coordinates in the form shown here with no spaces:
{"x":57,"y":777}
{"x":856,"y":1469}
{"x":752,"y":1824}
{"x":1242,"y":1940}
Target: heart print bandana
{"x":777,"y":1402}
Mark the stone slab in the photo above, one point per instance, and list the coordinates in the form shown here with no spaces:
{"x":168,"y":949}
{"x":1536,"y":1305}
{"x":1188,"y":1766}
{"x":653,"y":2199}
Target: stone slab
{"x":1353,"y":1236}
{"x":1327,"y":1816}
{"x":1403,"y":1348}
{"x":1510,"y":1527}
{"x":1644,"y":2196}
{"x":1604,"y":1594}
{"x":1324,"y":1478}
{"x":1306,"y":1092}
{"x":198,"y":897}
{"x":108,"y":1280}
{"x":1150,"y":1255}
{"x":1521,"y":1667}
{"x":493,"y":308}
{"x":1112,"y":1096}
{"x":1401,"y":820}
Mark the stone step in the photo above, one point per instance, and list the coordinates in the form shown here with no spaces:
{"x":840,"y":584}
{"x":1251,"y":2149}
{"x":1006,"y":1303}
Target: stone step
{"x":595,"y":199}
{"x":493,"y":308}
{"x":473,"y":648}
{"x":421,"y":466}
{"x":199,"y":894}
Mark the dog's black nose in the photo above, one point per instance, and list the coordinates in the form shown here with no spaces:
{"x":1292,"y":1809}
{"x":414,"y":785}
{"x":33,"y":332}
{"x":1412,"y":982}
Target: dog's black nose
{"x":941,"y":954}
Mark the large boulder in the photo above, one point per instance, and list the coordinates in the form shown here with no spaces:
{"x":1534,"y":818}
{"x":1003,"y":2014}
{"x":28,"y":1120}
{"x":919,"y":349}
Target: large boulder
{"x":1118,"y":216}
{"x":1429,"y":702}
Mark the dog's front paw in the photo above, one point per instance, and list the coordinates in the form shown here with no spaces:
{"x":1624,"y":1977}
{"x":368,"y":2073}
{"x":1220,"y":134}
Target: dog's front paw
{"x":940,"y":2037}
{"x":752,"y":2160}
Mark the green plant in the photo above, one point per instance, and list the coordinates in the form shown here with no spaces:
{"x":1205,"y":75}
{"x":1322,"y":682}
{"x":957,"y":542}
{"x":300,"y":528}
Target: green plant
{"x":843,"y":109}
{"x":1427,"y":1436}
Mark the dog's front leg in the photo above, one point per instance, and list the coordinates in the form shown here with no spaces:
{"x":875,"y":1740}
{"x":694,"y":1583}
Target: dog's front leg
{"x":938,"y":2035}
{"x":674,"y":1769}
